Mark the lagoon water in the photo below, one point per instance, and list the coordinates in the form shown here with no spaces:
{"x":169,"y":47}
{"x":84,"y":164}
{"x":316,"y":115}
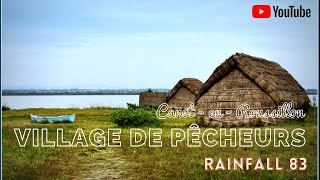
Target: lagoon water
{"x":75,"y":101}
{"x":68,"y":101}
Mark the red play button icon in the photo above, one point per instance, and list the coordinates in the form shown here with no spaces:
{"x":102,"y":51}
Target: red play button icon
{"x":261,"y":11}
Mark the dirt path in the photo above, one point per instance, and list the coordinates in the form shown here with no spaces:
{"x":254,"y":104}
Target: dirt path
{"x":105,"y":164}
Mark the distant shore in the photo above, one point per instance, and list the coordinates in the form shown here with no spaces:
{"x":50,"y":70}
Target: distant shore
{"x":46,"y":92}
{"x":65,"y":94}
{"x":53,"y":92}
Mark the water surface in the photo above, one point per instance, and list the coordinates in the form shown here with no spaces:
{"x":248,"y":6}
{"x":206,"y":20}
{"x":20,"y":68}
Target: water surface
{"x":75,"y":101}
{"x":68,"y":101}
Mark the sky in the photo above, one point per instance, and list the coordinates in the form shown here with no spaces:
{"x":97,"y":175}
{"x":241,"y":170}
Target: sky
{"x":146,"y":44}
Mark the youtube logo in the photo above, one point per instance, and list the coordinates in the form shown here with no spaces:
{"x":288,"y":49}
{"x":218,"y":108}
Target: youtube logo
{"x":261,"y":11}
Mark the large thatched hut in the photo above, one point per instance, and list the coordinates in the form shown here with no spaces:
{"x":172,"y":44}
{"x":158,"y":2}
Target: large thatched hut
{"x":244,"y":79}
{"x":152,"y":98}
{"x":184,"y":93}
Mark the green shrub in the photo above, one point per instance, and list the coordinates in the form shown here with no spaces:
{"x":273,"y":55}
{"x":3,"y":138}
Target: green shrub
{"x":132,"y":106}
{"x":149,"y":107}
{"x":5,"y":108}
{"x":135,"y":118}
{"x":145,"y":107}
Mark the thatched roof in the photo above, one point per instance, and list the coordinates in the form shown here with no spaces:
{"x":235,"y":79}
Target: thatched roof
{"x":192,"y":84}
{"x":268,"y":75}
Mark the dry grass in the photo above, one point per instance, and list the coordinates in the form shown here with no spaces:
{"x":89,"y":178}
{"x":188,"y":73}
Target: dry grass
{"x":143,"y":162}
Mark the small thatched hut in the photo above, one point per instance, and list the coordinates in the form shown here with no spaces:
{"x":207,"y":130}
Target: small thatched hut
{"x":244,"y":79}
{"x":152,"y":98}
{"x":184,"y":93}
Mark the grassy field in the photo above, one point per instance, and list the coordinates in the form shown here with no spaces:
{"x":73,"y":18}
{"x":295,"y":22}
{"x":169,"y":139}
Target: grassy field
{"x":166,"y":162}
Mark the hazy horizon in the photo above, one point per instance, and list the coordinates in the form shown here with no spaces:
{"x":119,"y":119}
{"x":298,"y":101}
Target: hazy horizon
{"x":91,"y":89}
{"x":81,"y":88}
{"x":144,"y":44}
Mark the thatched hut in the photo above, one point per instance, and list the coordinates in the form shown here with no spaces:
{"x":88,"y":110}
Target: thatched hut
{"x":184,"y":93}
{"x":152,"y":98}
{"x":244,"y":79}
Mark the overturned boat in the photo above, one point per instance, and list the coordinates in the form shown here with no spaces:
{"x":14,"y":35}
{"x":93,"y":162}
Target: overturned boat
{"x":53,"y":119}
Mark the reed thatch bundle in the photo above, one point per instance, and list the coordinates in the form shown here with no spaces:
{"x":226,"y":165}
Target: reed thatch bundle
{"x":247,"y":79}
{"x":152,"y":98}
{"x":184,"y":93}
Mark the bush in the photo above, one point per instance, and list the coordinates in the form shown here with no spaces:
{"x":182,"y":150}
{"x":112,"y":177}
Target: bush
{"x":5,"y":108}
{"x":149,"y":107}
{"x":145,"y":107}
{"x":135,"y":118}
{"x":132,"y":106}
